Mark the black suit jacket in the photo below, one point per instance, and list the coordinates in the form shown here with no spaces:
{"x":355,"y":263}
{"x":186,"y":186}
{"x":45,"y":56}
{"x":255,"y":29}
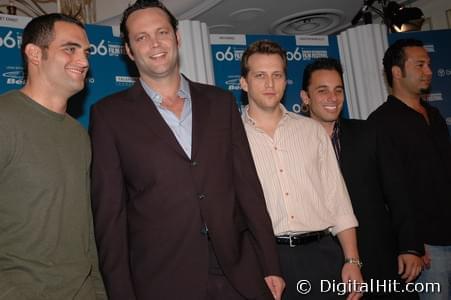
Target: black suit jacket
{"x":151,"y":201}
{"x":379,"y":197}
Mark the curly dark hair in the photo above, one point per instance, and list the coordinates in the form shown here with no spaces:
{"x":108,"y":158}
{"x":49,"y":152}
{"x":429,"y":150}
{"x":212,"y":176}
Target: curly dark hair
{"x":320,"y":64}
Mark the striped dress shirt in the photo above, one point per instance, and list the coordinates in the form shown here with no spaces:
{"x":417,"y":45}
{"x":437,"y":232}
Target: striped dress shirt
{"x":302,"y":183}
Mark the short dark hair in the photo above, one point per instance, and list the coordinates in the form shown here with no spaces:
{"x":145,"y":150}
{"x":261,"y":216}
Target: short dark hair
{"x":396,"y":56}
{"x":143,"y":4}
{"x":40,"y":32}
{"x":323,"y":63}
{"x":262,"y":47}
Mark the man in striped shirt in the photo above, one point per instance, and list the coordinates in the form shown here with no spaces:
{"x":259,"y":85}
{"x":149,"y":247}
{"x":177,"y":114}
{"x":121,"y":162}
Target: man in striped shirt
{"x":304,"y":191}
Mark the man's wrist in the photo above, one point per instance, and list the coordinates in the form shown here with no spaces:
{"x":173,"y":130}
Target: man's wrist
{"x":354,"y":261}
{"x":413,"y":252}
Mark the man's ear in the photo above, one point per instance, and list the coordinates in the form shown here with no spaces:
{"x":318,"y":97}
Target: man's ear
{"x":129,"y":52}
{"x":178,"y":39}
{"x":243,"y":83}
{"x":304,"y":96}
{"x":33,"y":53}
{"x":396,"y":72}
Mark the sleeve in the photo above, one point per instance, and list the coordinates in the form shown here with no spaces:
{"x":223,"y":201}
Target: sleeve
{"x":96,"y":277}
{"x":396,"y":194}
{"x":6,"y":144}
{"x":251,"y":198}
{"x":110,"y":210}
{"x":95,"y":273}
{"x":8,"y":290}
{"x":337,"y":196}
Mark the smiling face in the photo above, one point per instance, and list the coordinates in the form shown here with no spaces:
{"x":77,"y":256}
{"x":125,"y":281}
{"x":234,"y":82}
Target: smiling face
{"x":153,"y":44}
{"x":265,"y":81}
{"x":325,"y":96}
{"x":63,"y":64}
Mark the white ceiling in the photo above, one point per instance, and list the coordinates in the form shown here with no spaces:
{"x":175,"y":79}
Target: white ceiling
{"x":254,"y":16}
{"x":280,"y":16}
{"x":290,"y":17}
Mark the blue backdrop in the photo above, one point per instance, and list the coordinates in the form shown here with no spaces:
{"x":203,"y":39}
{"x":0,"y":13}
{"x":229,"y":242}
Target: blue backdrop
{"x":301,"y":50}
{"x":110,"y":69}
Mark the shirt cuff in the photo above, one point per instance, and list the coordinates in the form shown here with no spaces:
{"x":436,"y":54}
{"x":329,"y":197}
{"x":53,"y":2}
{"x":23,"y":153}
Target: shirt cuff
{"x":344,"y":222}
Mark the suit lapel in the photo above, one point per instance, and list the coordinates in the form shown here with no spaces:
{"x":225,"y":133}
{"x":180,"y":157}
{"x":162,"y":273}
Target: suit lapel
{"x":201,"y":109}
{"x":148,"y":114}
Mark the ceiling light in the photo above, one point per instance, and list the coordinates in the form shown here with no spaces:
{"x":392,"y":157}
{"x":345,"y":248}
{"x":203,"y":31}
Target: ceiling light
{"x":402,"y":19}
{"x":397,"y":17}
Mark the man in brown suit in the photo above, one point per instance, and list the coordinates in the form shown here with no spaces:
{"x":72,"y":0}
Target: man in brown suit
{"x":179,"y":211}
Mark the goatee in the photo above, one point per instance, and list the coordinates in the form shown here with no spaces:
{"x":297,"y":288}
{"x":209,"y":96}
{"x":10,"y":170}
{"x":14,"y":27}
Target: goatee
{"x":425,"y":90}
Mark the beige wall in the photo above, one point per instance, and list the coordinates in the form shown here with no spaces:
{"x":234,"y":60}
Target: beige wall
{"x":436,"y":11}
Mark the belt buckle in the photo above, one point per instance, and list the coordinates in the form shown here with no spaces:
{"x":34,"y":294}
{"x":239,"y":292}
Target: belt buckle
{"x":290,"y":238}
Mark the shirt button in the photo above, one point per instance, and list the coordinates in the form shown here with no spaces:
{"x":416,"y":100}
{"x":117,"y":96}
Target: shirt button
{"x":275,"y":148}
{"x":286,"y":194}
{"x":281,"y":170}
{"x":292,"y":217}
{"x":194,"y":163}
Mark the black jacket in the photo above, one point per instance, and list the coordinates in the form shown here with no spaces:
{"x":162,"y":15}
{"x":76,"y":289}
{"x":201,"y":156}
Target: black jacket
{"x":379,"y":197}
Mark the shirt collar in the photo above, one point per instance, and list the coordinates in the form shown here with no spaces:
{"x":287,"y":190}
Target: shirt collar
{"x":183,"y":91}
{"x":336,"y":130}
{"x":399,"y":102}
{"x":249,"y":120}
{"x":335,"y":137}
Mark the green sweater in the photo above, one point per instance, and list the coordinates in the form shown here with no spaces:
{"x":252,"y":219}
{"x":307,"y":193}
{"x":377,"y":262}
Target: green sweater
{"x":47,"y":248}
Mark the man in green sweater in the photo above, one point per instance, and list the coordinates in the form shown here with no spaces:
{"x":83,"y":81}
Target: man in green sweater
{"x":47,"y":249}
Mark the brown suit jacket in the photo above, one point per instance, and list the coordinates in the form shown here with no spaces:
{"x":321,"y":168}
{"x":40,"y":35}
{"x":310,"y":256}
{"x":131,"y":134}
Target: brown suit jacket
{"x":151,"y":201}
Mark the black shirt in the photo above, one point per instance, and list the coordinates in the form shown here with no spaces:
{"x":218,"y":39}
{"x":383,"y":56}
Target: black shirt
{"x":425,"y":151}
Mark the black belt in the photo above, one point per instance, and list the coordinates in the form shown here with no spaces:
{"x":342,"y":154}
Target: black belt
{"x":301,"y":239}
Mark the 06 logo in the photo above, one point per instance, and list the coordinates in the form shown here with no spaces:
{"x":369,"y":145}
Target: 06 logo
{"x":9,"y":41}
{"x":295,"y":55}
{"x":99,"y":49}
{"x":227,"y":55}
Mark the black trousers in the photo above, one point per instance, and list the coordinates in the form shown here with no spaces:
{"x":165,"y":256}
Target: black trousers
{"x":316,"y":265}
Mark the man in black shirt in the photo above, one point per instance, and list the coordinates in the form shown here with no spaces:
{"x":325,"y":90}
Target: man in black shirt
{"x":420,"y":135}
{"x":386,"y":236}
